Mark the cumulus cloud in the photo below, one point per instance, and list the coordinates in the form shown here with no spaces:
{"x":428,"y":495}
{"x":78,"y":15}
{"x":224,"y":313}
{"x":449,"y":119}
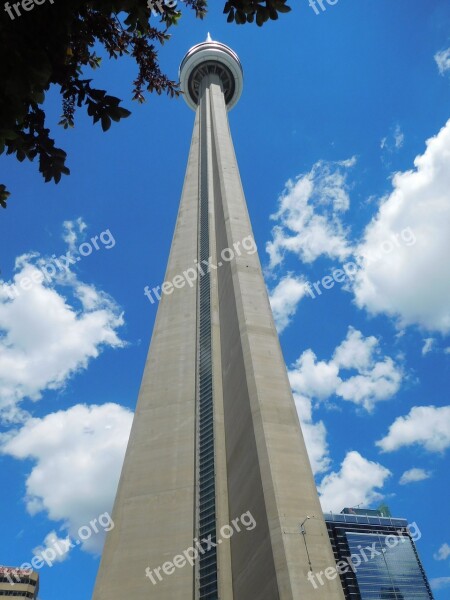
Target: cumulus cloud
{"x":44,"y":337}
{"x":59,"y":546}
{"x":309,"y":216}
{"x":313,"y":378}
{"x":443,"y":553}
{"x":440,"y":583}
{"x":72,"y":232}
{"x":426,"y":426}
{"x":412,"y":285}
{"x":413,"y":475}
{"x":400,"y":267}
{"x":77,"y":456}
{"x":394,"y":141}
{"x":442,"y":59}
{"x":379,"y":382}
{"x":356,"y":351}
{"x":399,"y":137}
{"x":357,"y":372}
{"x":355,"y":483}
{"x":314,"y":434}
{"x":284,"y":299}
{"x":315,"y":381}
{"x":427,"y":346}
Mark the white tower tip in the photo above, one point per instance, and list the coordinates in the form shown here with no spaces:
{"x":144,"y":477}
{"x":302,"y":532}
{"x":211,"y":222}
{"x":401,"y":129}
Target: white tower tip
{"x":218,"y":57}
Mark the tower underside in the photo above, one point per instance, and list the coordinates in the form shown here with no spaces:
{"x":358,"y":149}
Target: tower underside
{"x":216,"y":433}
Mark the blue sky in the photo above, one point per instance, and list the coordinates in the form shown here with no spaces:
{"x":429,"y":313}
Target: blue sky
{"x":344,"y":149}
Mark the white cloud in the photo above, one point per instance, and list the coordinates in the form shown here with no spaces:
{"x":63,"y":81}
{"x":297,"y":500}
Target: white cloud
{"x":59,"y":546}
{"x":314,"y":434}
{"x":443,"y":553}
{"x":316,"y":380}
{"x":379,"y":382}
{"x":284,"y":299}
{"x":399,"y":137}
{"x":78,"y":455}
{"x":427,"y":346}
{"x":313,"y":378}
{"x":356,"y":351}
{"x":72,"y":232}
{"x":377,"y":378}
{"x":442,"y":59}
{"x":304,"y":406}
{"x":309,"y":215}
{"x":44,"y":339}
{"x":413,"y":475}
{"x":440,"y":583}
{"x":394,"y":141}
{"x":412,"y":285}
{"x":427,"y":426}
{"x":356,"y":483}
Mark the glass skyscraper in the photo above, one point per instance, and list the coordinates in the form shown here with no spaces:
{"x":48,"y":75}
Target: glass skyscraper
{"x":376,"y":556}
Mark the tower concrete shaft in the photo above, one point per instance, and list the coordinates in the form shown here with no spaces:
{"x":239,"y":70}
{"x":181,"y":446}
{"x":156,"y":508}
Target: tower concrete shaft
{"x":216,"y":435}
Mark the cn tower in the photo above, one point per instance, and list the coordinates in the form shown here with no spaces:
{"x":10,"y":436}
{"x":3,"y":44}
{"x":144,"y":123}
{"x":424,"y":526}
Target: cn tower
{"x":216,"y":498}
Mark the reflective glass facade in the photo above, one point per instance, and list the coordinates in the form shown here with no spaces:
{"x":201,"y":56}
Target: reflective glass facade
{"x":385,"y":562}
{"x":391,"y":569}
